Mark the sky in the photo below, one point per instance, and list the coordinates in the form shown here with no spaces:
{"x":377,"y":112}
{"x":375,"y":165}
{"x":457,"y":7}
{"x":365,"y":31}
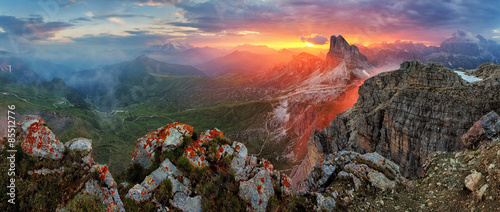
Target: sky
{"x":64,"y":29}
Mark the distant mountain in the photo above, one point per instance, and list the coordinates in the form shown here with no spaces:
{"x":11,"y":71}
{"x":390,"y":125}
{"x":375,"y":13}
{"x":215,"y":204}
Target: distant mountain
{"x":258,"y":49}
{"x":461,"y":50}
{"x":244,"y":62}
{"x":127,"y":82}
{"x":183,"y":54}
{"x":48,"y":70}
{"x":169,"y":48}
{"x":14,"y":69}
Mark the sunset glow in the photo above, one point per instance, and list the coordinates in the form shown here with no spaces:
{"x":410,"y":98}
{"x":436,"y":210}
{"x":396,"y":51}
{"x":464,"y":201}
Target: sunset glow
{"x":119,"y":26}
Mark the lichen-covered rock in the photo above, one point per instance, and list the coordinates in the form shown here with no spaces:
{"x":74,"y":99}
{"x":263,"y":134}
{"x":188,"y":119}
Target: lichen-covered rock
{"x":195,"y":153}
{"x":138,"y":193}
{"x":257,"y":191}
{"x":325,"y":203}
{"x":167,"y":137}
{"x":185,"y":203}
{"x":361,"y":169}
{"x":166,"y":170}
{"x":243,"y":164}
{"x":483,"y":130}
{"x":38,"y":139}
{"x":45,"y":171}
{"x":285,"y":183}
{"x":223,"y":151}
{"x":84,"y":145}
{"x":108,"y":193}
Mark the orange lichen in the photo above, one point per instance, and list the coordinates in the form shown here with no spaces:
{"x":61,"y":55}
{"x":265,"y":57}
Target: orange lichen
{"x":285,"y":181}
{"x":259,"y":187}
{"x":262,"y":179}
{"x":260,"y":201}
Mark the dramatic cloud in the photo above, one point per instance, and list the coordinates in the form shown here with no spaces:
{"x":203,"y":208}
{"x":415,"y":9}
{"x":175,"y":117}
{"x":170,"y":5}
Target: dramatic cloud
{"x":33,"y":28}
{"x":314,"y":39}
{"x":368,"y":20}
{"x":155,"y":2}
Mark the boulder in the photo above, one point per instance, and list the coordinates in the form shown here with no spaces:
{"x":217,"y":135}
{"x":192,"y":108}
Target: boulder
{"x":108,"y":193}
{"x":38,"y":139}
{"x":472,"y":180}
{"x":325,"y":203}
{"x":167,"y":137}
{"x":166,"y":170}
{"x":186,"y":203}
{"x":482,"y":131}
{"x":257,"y":191}
{"x":84,"y":145}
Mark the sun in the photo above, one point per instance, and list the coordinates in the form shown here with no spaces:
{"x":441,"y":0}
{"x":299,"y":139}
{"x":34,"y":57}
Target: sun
{"x":309,"y":44}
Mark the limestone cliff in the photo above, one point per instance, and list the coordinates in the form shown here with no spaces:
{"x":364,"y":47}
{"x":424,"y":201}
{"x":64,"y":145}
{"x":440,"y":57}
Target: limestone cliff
{"x":407,"y":114}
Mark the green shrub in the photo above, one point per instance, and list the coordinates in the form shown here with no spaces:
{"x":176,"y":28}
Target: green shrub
{"x":184,"y":165}
{"x":136,"y":173}
{"x":84,"y":202}
{"x":164,"y":192}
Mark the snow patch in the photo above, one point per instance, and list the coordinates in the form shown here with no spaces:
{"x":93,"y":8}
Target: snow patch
{"x":468,"y":78}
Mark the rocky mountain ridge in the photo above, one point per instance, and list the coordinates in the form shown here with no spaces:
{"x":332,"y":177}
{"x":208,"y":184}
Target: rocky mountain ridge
{"x":460,"y":50}
{"x":407,"y":114}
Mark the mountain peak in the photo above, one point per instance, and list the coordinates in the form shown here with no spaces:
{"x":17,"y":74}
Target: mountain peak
{"x":340,"y":50}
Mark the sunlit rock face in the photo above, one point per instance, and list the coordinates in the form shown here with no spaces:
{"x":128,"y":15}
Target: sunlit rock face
{"x":407,"y":114}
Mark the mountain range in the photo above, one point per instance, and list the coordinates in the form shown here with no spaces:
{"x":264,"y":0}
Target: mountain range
{"x":460,"y":50}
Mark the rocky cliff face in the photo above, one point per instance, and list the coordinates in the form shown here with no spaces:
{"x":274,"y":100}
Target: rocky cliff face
{"x":407,"y":114}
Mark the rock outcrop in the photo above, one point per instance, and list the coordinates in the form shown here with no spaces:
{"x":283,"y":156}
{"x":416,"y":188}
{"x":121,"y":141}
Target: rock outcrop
{"x":407,"y":114}
{"x":167,"y":137}
{"x":38,"y":139}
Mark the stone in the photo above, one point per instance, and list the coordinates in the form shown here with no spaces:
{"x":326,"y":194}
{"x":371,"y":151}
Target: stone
{"x":481,"y":192}
{"x":482,"y":131}
{"x":167,"y":137}
{"x":108,"y":193}
{"x":45,"y":171}
{"x":84,"y":145}
{"x":325,"y":203}
{"x":166,"y":170}
{"x":195,"y":153}
{"x":257,"y":191}
{"x":472,"y":180}
{"x":185,"y":203}
{"x":380,"y":181}
{"x":38,"y":139}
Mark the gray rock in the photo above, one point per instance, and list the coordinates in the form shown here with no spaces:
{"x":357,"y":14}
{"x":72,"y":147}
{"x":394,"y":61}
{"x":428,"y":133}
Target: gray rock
{"x":325,"y":203}
{"x":380,"y":181}
{"x":185,"y":203}
{"x":472,"y":180}
{"x":38,"y":140}
{"x":257,"y":191}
